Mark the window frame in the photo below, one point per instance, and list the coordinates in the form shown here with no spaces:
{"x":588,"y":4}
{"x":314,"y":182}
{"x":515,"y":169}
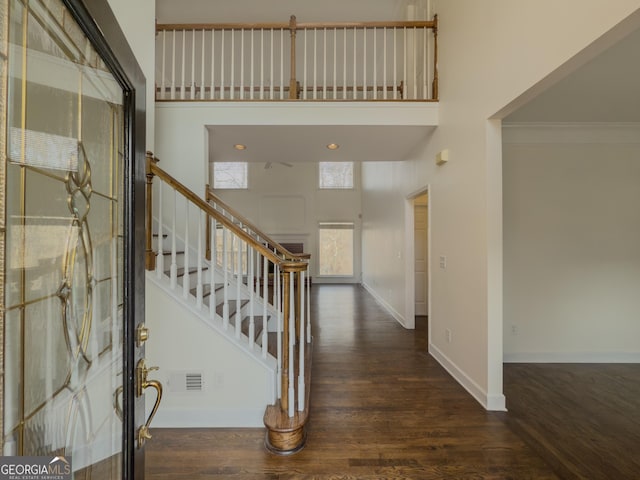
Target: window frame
{"x":338,"y":225}
{"x":347,"y":188}
{"x":246,"y":176}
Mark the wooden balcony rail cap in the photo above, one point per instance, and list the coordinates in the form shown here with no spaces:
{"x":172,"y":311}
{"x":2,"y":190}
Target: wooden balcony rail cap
{"x":298,"y":25}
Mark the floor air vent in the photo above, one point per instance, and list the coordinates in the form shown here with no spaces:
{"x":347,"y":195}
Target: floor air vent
{"x":186,"y":382}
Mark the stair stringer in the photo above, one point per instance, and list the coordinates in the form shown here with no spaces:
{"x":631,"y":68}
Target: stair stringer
{"x":179,"y":411}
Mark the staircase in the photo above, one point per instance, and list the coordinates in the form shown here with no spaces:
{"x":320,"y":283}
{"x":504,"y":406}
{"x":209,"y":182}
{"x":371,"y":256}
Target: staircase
{"x":241,"y":283}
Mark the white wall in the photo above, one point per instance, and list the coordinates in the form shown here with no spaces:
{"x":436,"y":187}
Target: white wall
{"x":237,"y":388}
{"x":490,"y":54}
{"x":571,"y":236}
{"x":138,"y":22}
{"x":302,"y":205}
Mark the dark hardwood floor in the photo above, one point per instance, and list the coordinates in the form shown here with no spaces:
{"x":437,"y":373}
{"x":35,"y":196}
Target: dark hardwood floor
{"x":381,"y":408}
{"x":583,"y":419}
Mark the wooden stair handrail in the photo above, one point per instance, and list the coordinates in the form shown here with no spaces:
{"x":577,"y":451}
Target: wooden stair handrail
{"x":286,"y":254}
{"x":154,"y":170}
{"x":298,"y":25}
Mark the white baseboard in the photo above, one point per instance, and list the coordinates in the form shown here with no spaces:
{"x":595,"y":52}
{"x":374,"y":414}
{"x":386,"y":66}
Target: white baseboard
{"x":209,"y":418}
{"x":392,"y":311}
{"x":578,"y":357}
{"x":493,"y":402}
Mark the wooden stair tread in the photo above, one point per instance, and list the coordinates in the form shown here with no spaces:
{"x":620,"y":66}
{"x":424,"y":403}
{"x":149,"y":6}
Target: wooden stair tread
{"x":181,"y":271}
{"x":206,"y":289}
{"x":232,"y":308}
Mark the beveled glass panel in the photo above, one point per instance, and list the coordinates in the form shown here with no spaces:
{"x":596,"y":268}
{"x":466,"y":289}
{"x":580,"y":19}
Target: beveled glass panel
{"x":64,"y":329}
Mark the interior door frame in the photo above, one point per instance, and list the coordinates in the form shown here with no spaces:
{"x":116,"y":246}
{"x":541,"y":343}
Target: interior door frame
{"x":99,"y":24}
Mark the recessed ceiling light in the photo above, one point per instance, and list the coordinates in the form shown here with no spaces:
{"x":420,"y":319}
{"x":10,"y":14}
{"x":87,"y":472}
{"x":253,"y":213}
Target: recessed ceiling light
{"x":333,"y":146}
{"x":239,"y":146}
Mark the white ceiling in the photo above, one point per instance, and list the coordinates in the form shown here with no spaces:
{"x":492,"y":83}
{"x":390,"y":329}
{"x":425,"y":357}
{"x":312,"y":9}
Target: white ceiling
{"x":606,"y":89}
{"x":297,"y":143}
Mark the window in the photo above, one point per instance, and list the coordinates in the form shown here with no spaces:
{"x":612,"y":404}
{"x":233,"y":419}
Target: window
{"x":230,"y":175}
{"x":336,"y":249}
{"x":336,"y":174}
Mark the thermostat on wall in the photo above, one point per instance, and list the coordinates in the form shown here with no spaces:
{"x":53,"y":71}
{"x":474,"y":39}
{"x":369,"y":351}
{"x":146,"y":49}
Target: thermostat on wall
{"x":442,"y":157}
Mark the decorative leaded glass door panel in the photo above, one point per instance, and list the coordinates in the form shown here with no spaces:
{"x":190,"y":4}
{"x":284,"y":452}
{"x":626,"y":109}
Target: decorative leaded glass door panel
{"x":66,"y":231}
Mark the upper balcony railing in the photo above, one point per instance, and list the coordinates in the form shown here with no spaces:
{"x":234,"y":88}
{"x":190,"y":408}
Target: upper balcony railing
{"x":365,"y":61}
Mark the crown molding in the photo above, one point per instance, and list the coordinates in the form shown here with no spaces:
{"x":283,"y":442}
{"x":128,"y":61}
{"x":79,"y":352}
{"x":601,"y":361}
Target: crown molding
{"x":571,"y":133}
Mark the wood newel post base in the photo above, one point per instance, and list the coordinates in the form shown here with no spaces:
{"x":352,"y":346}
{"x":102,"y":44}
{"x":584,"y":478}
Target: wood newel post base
{"x":150,"y":255}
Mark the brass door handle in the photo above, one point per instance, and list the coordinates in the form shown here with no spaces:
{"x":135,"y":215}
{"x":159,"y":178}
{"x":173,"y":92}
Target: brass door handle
{"x":142,"y":383}
{"x":143,"y":431}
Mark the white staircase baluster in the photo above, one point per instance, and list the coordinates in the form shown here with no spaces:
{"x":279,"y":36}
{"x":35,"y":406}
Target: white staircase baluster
{"x":225,"y":269}
{"x":232,"y":82}
{"x":265,"y":291}
{"x":304,"y":68}
{"x":212,"y":270}
{"x":273,"y":80}
{"x":238,"y":317}
{"x":301,"y":345}
{"x":384,"y":62}
{"x":315,"y":63}
{"x":160,"y":257}
{"x":281,"y":64}
{"x":164,"y":59}
{"x":364,"y":63}
{"x":252,"y":294}
{"x":375,"y":63}
{"x":262,"y":64}
{"x":404,"y":92}
{"x":200,"y":256}
{"x":324,"y":67}
{"x":174,"y":264}
{"x":186,"y":283}
{"x":425,"y":67}
{"x":395,"y":63}
{"x":344,"y":65}
{"x":415,"y":63}
{"x":355,"y":63}
{"x":222,"y":66}
{"x":292,"y":334}
{"x":184,"y":41}
{"x":241,"y":92}
{"x":251,"y":84}
{"x":202,"y":68}
{"x":213,"y":65}
{"x":335,"y":63}
{"x":173,"y":68}
{"x":193,"y":64}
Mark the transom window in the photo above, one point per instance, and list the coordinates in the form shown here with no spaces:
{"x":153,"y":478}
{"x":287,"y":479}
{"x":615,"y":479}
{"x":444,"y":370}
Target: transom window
{"x":230,"y":175}
{"x":336,"y":175}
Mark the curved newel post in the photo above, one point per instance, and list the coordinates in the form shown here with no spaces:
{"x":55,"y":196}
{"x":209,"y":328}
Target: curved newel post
{"x":150,"y":255}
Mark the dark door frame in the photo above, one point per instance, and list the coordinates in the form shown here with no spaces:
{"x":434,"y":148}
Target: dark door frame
{"x":101,"y":27}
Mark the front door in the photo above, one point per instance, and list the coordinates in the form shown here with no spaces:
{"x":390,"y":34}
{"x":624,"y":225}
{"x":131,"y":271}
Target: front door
{"x":70,"y":285}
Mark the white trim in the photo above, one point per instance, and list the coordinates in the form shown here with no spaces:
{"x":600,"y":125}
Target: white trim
{"x":493,"y":402}
{"x":312,"y":113}
{"x":392,"y":311}
{"x":577,"y":357}
{"x":568,"y":133}
{"x":209,"y":418}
